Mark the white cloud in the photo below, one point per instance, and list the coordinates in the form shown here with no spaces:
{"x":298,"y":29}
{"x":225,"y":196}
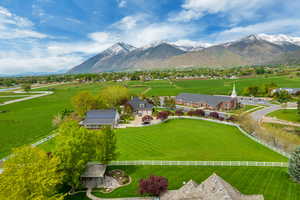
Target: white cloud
{"x":13,"y":26}
{"x":236,"y":9}
{"x":191,"y":43}
{"x":122,"y":3}
{"x":287,"y":26}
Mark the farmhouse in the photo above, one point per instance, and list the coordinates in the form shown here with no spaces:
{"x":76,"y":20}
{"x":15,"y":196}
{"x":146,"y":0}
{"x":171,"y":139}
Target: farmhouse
{"x":93,"y":175}
{"x":291,"y":91}
{"x":96,"y":118}
{"x":213,"y":188}
{"x":207,"y":101}
{"x":140,"y":107}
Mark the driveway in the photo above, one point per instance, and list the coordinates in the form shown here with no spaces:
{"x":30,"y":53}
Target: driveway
{"x":259,"y":114}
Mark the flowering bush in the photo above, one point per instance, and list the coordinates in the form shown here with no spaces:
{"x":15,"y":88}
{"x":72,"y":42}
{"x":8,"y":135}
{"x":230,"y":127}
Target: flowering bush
{"x":163,"y":115}
{"x":154,"y":185}
{"x":179,"y":112}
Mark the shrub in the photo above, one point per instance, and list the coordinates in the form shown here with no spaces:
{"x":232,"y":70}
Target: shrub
{"x":147,"y":119}
{"x":179,"y":112}
{"x":294,"y":165}
{"x":163,"y":115}
{"x":199,"y":113}
{"x":154,"y":185}
{"x":191,"y":113}
{"x":214,"y":115}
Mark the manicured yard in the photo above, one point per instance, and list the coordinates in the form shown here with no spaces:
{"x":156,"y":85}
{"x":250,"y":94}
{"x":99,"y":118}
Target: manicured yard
{"x":273,"y":183}
{"x":176,"y":140}
{"x":187,"y":139}
{"x":287,"y":115}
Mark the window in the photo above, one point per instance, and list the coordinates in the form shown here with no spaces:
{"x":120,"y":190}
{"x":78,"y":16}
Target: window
{"x":142,"y":105}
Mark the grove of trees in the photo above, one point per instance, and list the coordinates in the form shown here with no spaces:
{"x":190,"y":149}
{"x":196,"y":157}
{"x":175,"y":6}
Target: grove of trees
{"x":31,"y":174}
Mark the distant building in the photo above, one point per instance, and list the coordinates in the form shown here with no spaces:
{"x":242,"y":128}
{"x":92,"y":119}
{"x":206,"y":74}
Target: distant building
{"x":291,"y":91}
{"x":141,"y":107}
{"x":96,"y":118}
{"x":213,"y":188}
{"x":93,"y":175}
{"x":207,"y":101}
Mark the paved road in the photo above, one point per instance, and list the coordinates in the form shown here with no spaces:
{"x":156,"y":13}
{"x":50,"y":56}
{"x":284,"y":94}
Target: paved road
{"x":41,"y":94}
{"x":259,"y":114}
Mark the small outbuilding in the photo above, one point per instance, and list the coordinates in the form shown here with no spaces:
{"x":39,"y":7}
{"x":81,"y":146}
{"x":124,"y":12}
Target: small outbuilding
{"x":95,"y":119}
{"x":93,"y":175}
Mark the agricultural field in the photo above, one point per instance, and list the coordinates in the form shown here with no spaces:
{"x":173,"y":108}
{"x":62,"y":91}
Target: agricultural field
{"x":286,"y":114}
{"x":273,"y":183}
{"x":29,"y":121}
{"x":176,"y":140}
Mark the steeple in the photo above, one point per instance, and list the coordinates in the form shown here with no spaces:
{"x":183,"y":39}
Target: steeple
{"x":233,"y":94}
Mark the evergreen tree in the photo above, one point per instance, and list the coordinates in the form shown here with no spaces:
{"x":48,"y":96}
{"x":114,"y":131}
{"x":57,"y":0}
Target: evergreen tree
{"x":294,"y":165}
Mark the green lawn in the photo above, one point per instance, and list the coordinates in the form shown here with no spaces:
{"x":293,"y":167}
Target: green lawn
{"x":286,"y":114}
{"x":187,"y":139}
{"x":176,"y":140}
{"x":273,"y":183}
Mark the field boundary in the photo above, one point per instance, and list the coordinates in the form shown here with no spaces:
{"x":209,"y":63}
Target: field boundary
{"x":287,"y":155}
{"x":199,"y":163}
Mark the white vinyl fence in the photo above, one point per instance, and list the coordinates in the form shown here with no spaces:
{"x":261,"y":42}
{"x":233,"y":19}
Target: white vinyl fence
{"x":199,"y":163}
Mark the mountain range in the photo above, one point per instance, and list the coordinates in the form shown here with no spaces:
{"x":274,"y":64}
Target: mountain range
{"x":260,"y":49}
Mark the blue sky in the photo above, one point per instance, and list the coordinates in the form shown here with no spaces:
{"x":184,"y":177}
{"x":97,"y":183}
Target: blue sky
{"x":52,"y":35}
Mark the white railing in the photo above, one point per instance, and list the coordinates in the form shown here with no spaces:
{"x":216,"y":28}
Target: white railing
{"x":198,"y":163}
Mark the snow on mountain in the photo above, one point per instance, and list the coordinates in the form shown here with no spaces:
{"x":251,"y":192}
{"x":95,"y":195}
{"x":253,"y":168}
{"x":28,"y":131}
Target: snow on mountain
{"x":279,"y":39}
{"x":119,"y":47}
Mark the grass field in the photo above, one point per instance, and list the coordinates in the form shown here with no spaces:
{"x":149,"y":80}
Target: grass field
{"x":273,"y":183}
{"x":287,"y":115}
{"x":187,"y":139}
{"x":222,"y":86}
{"x":26,"y":122}
{"x":176,"y":140}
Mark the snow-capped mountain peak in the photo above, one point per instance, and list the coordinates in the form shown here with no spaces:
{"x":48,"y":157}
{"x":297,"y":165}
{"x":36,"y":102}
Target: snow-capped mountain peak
{"x":120,"y":47}
{"x":279,"y":39}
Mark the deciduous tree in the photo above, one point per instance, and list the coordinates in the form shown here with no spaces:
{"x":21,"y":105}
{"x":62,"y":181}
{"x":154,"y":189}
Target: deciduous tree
{"x":110,"y":145}
{"x":294,"y":165}
{"x":113,"y":96}
{"x":76,"y":146}
{"x":154,"y":185}
{"x":83,"y":102}
{"x":30,"y":174}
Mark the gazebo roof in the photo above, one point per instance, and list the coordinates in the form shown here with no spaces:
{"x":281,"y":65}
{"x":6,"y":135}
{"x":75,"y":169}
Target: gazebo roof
{"x":94,"y":170}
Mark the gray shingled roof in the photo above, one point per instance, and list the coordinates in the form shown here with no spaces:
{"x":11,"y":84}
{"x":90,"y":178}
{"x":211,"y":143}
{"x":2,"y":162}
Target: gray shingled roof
{"x":100,"y":117}
{"x":136,"y":104}
{"x":213,"y":188}
{"x":209,"y":99}
{"x":94,"y":170}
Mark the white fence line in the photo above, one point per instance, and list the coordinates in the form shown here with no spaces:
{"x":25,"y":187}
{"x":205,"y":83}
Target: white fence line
{"x":198,"y":163}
